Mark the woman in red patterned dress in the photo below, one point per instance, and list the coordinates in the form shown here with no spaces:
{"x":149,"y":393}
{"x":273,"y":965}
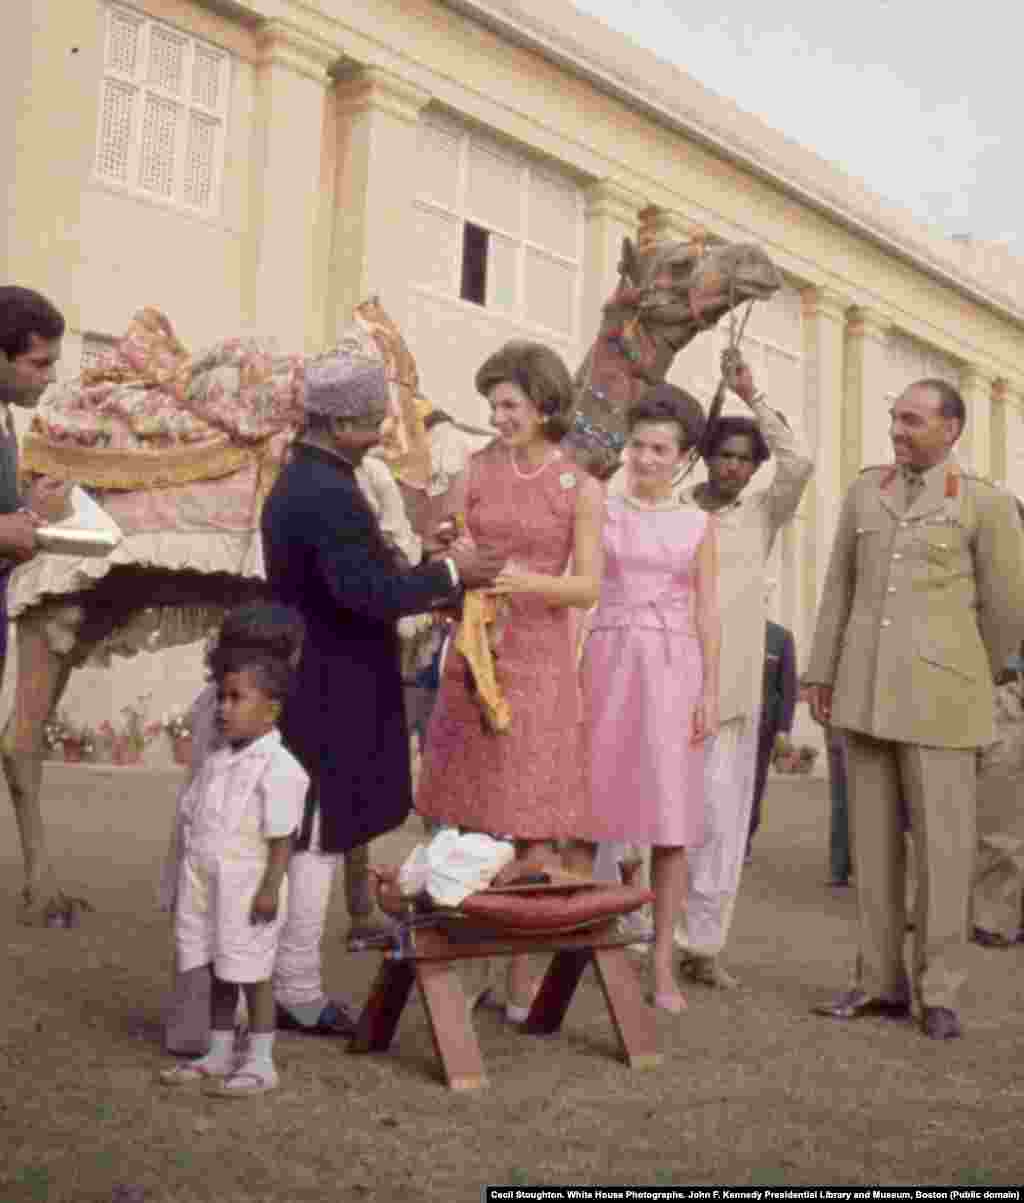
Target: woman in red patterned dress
{"x":522,"y":497}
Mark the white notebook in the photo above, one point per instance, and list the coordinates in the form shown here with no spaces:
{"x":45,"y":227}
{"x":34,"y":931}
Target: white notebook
{"x":87,"y":531}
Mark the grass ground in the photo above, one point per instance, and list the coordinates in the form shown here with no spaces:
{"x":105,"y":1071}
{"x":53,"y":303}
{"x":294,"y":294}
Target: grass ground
{"x":753,"y":1089}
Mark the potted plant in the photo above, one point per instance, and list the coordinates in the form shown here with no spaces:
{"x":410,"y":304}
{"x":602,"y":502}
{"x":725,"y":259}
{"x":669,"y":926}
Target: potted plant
{"x":134,"y":733}
{"x":55,"y":732}
{"x":106,"y":740}
{"x":79,"y":743}
{"x":789,"y":757}
{"x":177,"y":724}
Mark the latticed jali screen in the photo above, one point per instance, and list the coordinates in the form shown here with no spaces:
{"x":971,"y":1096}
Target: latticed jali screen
{"x":163,"y":111}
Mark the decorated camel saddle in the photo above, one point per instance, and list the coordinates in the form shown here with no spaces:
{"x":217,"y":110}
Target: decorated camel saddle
{"x":181,"y":449}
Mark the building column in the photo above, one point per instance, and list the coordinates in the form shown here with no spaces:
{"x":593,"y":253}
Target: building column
{"x":377,"y":147}
{"x":975,"y":445}
{"x":656,"y":224}
{"x":824,"y":323}
{"x":865,"y":430}
{"x":611,"y":214}
{"x":1006,"y":465}
{"x":291,"y":83}
{"x":998,"y":432}
{"x":1013,"y":477}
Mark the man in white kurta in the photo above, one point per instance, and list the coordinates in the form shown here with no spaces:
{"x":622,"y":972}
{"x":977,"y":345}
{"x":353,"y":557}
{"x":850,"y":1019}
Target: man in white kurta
{"x":748,"y":523}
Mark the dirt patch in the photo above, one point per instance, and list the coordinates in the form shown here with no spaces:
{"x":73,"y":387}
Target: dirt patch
{"x":753,"y":1089}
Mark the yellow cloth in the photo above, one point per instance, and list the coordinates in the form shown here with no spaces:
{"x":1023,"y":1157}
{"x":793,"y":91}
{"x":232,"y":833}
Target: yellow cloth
{"x":472,"y":641}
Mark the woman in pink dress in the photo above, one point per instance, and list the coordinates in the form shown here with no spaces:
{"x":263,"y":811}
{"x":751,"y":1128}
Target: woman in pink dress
{"x":650,"y":665}
{"x":522,"y":497}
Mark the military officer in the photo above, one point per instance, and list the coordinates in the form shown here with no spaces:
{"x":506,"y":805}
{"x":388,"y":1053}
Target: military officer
{"x":922,"y":605}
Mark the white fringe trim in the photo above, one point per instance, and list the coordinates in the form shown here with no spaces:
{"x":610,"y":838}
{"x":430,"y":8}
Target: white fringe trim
{"x":240,"y":554}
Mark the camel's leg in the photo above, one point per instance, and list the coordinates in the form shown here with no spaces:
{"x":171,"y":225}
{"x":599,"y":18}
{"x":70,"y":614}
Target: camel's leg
{"x":42,"y":675}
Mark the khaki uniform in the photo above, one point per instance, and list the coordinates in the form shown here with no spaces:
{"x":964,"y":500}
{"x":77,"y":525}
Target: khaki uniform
{"x":998,"y":886}
{"x":923,"y":604}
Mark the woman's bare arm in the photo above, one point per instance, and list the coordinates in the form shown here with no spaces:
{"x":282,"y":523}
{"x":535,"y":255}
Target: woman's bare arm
{"x":582,"y":585}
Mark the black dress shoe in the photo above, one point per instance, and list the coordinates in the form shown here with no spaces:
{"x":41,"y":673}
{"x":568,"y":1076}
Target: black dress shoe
{"x":989,"y":939}
{"x":940,"y":1023}
{"x":855,"y":1004}
{"x":334,"y":1020}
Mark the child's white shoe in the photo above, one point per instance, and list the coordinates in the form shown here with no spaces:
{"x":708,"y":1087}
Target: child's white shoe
{"x":186,"y":1073}
{"x":250,"y":1077}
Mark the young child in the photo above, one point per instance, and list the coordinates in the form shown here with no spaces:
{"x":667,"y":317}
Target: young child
{"x":239,"y":816}
{"x":278,"y":630}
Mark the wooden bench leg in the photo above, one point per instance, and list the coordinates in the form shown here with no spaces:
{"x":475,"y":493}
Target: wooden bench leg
{"x":451,"y":1025}
{"x":556,"y":991}
{"x":633,"y":1019}
{"x":379,"y":1017}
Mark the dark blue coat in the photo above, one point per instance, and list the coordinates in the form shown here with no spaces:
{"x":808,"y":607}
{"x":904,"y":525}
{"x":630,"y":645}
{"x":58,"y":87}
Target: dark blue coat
{"x":325,"y":556}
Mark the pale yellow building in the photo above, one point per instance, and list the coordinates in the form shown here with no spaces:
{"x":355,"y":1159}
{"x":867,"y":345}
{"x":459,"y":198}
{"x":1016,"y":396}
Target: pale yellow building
{"x":261,"y":165}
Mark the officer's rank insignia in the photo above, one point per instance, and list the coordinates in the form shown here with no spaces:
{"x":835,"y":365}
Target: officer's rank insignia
{"x":952,"y":482}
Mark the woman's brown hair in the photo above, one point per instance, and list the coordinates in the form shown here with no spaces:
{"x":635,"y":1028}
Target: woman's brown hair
{"x":541,"y":375}
{"x":668,"y":403}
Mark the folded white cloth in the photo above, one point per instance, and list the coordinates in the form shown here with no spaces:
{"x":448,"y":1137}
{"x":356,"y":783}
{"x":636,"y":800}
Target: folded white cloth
{"x":87,"y":531}
{"x":453,"y":865}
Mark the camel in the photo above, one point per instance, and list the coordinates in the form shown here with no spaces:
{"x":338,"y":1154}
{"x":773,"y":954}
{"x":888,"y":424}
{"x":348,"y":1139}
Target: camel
{"x":181,"y":451}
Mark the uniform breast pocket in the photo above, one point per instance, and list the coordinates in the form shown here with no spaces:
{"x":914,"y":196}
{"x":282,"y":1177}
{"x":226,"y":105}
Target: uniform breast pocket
{"x":943,"y":547}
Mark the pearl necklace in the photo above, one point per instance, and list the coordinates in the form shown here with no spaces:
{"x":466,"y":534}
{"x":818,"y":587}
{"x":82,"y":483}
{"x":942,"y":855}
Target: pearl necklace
{"x":536,"y":472}
{"x":665,"y":503}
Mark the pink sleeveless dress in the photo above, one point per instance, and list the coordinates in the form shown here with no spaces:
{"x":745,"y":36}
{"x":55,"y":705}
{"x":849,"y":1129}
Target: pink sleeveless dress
{"x":528,"y":782}
{"x":642,"y":676}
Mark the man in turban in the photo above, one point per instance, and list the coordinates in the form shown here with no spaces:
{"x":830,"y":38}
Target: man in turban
{"x":327,"y":557}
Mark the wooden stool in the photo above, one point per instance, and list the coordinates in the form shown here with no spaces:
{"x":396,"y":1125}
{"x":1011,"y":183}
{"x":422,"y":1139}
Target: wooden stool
{"x":430,"y":958}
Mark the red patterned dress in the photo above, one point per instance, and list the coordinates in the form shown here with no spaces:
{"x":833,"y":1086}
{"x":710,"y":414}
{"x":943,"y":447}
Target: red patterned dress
{"x":529,"y":781}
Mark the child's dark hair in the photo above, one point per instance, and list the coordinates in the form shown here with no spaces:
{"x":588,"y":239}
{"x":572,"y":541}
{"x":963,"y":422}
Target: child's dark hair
{"x":273,"y":675}
{"x":258,"y":626}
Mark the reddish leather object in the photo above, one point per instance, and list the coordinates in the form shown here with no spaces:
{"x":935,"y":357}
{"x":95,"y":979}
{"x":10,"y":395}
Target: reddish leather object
{"x":552,"y":911}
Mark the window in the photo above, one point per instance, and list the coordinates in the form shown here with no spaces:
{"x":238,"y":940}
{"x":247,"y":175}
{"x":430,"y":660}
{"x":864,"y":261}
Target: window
{"x":497,"y":228}
{"x":475,"y":240}
{"x":163,"y":112}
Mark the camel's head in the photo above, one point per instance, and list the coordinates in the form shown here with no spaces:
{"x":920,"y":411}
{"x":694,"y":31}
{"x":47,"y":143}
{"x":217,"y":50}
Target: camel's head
{"x":683,"y":292}
{"x":668,"y":294}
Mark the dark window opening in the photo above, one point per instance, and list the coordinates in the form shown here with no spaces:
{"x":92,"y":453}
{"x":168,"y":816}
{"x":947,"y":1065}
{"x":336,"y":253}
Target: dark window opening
{"x":474,"y":264}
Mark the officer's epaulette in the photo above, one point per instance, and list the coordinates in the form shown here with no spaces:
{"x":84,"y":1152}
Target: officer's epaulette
{"x":983,"y":480}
